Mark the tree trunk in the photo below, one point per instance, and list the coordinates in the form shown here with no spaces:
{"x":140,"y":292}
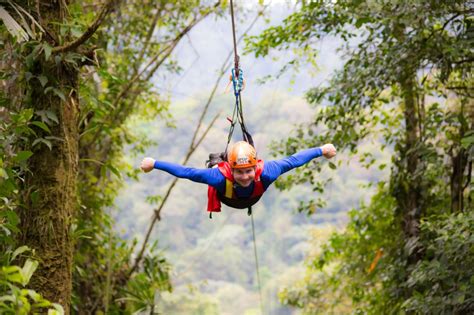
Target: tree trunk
{"x":411,"y":203}
{"x":50,"y":196}
{"x":459,"y":161}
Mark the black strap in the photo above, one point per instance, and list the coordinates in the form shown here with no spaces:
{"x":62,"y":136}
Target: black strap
{"x":236,"y":56}
{"x":247,"y":137}
{"x":245,"y":134}
{"x":249,"y":211}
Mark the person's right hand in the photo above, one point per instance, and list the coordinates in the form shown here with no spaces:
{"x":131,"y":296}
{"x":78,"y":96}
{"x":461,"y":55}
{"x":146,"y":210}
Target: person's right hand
{"x":147,"y":164}
{"x":329,"y":150}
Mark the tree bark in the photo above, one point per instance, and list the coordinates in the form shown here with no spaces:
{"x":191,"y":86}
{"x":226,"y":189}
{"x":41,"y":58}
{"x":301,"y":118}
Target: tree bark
{"x":49,"y":197}
{"x":412,"y":199}
{"x":459,"y":163}
{"x":46,"y":218}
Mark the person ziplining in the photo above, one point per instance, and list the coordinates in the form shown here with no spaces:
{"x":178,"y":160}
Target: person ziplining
{"x":242,"y":179}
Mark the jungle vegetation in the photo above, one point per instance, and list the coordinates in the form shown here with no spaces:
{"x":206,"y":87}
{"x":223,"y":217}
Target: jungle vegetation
{"x":74,"y":75}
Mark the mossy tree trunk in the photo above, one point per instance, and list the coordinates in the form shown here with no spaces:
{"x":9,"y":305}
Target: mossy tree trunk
{"x":50,"y":196}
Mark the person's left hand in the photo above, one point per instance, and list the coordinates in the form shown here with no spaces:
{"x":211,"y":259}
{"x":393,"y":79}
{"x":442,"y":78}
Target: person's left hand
{"x":147,"y":164}
{"x":329,"y":150}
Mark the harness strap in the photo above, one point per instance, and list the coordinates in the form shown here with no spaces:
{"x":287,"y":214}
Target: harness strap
{"x":229,"y":188}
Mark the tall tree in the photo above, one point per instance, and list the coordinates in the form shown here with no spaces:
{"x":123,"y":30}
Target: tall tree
{"x":48,"y":75}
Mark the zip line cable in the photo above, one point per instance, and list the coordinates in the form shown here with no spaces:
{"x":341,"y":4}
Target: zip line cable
{"x":236,"y":56}
{"x":237,"y":80}
{"x":256,"y":264}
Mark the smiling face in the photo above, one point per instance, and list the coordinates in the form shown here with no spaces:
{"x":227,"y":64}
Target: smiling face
{"x":244,"y":176}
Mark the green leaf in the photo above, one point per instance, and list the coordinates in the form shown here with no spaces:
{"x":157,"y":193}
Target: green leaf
{"x":44,"y":141}
{"x":48,"y":89}
{"x":58,"y":310}
{"x":35,"y":296}
{"x":332,"y":165}
{"x":11,"y":216}
{"x":34,"y":196}
{"x":23,"y":156}
{"x":19,"y":250}
{"x":115,"y":171}
{"x":28,"y":76}
{"x":361,"y":21}
{"x":3,"y":173}
{"x":47,"y":51}
{"x":466,"y":142}
{"x":13,"y":274}
{"x":8,"y":298}
{"x":59,"y":93}
{"x":42,"y":125}
{"x":52,"y":115}
{"x":28,"y":270}
{"x":47,"y":116}
{"x":43,"y":80}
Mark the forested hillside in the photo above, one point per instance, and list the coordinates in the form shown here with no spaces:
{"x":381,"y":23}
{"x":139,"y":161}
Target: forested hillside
{"x":90,"y":88}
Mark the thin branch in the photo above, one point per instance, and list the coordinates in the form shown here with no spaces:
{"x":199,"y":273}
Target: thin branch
{"x":156,"y":216}
{"x":463,"y":61}
{"x":106,"y":9}
{"x":38,"y":12}
{"x":167,"y":52}
{"x":147,"y":39}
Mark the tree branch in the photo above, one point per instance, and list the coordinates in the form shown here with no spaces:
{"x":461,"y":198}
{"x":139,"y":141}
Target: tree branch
{"x":106,"y":9}
{"x":147,"y":39}
{"x":167,"y":52}
{"x":156,"y":216}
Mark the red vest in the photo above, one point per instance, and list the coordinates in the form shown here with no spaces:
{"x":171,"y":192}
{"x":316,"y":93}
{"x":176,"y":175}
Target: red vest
{"x":229,"y":198}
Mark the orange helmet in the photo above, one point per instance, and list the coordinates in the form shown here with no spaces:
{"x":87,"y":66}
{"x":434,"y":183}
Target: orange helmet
{"x":242,"y":155}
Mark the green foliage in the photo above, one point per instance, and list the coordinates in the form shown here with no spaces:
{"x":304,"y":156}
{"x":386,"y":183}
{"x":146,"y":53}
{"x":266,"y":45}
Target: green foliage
{"x":347,"y":274}
{"x":444,"y":279}
{"x":144,"y":287}
{"x":341,"y":277}
{"x":14,"y":297}
{"x":16,"y":127}
{"x":406,"y":81}
{"x":14,"y":154}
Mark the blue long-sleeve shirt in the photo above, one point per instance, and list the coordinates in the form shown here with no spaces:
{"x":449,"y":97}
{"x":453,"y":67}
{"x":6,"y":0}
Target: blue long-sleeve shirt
{"x":212,"y":176}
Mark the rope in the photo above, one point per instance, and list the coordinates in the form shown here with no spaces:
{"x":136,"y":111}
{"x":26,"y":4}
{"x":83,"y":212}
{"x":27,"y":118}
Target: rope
{"x":256,"y":264}
{"x":236,"y":56}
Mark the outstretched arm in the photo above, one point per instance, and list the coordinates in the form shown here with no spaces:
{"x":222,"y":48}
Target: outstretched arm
{"x":273,"y":169}
{"x":209,"y":176}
